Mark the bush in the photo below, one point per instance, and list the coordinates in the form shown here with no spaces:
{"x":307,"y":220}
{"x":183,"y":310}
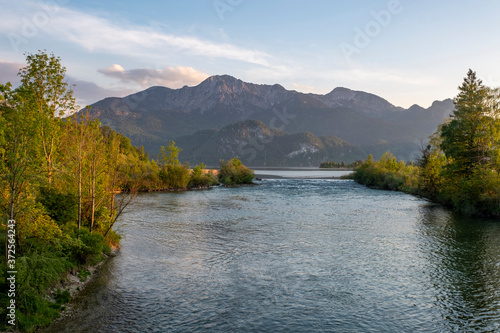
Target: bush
{"x":93,"y":247}
{"x":61,"y":297}
{"x":112,"y":240}
{"x":36,"y":273}
{"x":388,"y":174}
{"x":61,"y":207}
{"x":199,"y":177}
{"x":233,"y":172}
{"x":175,"y":176}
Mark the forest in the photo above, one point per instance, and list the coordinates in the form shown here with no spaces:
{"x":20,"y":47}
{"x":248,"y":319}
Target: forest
{"x":64,"y":181}
{"x":460,"y":165}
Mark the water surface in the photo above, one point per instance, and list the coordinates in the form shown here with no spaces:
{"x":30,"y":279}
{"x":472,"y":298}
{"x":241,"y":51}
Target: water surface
{"x":300,"y":173}
{"x":295,"y":255}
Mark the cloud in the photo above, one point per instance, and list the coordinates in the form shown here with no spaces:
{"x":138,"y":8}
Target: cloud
{"x":97,"y":34}
{"x":172,"y":77}
{"x":87,"y":93}
{"x":301,"y":87}
{"x":8,"y":72}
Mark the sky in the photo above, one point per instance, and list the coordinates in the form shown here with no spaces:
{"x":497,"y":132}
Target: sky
{"x":406,"y":51}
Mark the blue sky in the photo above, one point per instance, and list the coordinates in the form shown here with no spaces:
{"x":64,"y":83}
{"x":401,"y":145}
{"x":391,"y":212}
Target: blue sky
{"x":406,"y":51}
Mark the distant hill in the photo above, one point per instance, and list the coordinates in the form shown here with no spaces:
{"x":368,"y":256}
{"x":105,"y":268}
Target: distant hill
{"x":196,"y":116}
{"x":257,"y":144}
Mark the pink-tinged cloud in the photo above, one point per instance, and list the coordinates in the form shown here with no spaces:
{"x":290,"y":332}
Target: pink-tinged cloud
{"x":8,"y":72}
{"x":87,"y":93}
{"x":172,"y":77}
{"x":304,"y":88}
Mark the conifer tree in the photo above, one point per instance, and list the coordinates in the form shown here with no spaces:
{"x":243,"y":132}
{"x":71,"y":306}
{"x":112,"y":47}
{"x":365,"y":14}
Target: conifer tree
{"x":469,"y":137}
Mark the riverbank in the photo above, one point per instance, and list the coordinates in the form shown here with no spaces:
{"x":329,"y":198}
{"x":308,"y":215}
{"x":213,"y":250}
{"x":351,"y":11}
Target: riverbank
{"x":474,"y":194}
{"x":75,"y":283}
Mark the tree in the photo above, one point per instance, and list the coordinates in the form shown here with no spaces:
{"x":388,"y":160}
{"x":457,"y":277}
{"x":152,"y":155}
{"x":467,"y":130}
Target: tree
{"x":17,"y":168}
{"x":234,"y":172}
{"x":430,"y":167}
{"x":51,"y":97}
{"x":469,"y":139}
{"x":173,"y":173}
{"x":200,"y":177}
{"x":118,"y":178}
{"x":75,"y":153}
{"x":170,"y":155}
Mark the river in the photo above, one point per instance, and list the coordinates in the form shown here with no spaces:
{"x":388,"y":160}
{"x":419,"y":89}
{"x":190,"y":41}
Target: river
{"x":294,"y":255}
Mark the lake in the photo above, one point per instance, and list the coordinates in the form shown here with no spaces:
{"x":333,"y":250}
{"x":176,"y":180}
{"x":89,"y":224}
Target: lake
{"x":295,"y":255}
{"x":299,"y":173}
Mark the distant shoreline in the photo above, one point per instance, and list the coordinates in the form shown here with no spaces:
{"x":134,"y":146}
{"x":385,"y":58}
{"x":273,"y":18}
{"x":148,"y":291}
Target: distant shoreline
{"x":301,"y":173}
{"x":301,"y":169}
{"x":264,"y":176}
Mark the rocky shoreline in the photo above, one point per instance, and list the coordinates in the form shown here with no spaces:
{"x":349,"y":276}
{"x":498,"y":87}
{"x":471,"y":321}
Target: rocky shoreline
{"x":75,"y":284}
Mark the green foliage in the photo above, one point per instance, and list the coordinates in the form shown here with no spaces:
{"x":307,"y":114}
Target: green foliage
{"x":175,"y":176}
{"x":37,"y":272}
{"x":35,"y":228}
{"x":62,"y":297}
{"x":200,"y":177}
{"x":469,"y":139}
{"x":388,"y":173}
{"x":339,"y":165}
{"x":233,"y":172}
{"x":92,"y":248}
{"x":44,"y":77}
{"x":83,"y":274}
{"x":112,"y":240}
{"x":53,"y":172}
{"x":460,"y":167}
{"x":170,"y":155}
{"x":172,"y":173}
{"x":61,"y":207}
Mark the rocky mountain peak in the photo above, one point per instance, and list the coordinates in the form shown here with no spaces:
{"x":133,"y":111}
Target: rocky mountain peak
{"x":246,"y":110}
{"x":367,"y":103}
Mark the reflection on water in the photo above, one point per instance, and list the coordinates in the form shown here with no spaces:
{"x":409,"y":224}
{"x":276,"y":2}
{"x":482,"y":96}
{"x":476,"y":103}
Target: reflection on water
{"x":295,"y":256}
{"x":464,"y":260}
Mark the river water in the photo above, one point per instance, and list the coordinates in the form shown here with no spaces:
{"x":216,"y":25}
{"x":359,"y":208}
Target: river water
{"x":295,"y":255}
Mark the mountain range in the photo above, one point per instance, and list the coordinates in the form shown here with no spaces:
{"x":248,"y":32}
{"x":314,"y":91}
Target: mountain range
{"x":224,"y":117}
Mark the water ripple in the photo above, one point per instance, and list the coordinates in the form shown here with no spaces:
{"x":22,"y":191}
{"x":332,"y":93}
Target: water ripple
{"x":295,"y":256}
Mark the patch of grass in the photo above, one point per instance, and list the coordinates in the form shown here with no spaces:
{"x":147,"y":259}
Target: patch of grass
{"x":83,"y":274}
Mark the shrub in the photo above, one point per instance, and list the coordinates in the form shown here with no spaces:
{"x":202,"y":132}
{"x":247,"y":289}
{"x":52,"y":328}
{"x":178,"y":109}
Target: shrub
{"x":61,"y":207}
{"x":233,"y":172}
{"x":199,"y":177}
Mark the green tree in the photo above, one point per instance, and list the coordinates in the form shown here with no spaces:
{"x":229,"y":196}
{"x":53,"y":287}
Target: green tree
{"x":201,"y":177}
{"x":170,"y":155}
{"x":234,"y":172}
{"x":18,"y":165}
{"x":125,"y":175}
{"x":469,"y":139}
{"x":76,"y":137}
{"x":430,"y":168}
{"x":51,"y":97}
{"x":173,"y":173}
